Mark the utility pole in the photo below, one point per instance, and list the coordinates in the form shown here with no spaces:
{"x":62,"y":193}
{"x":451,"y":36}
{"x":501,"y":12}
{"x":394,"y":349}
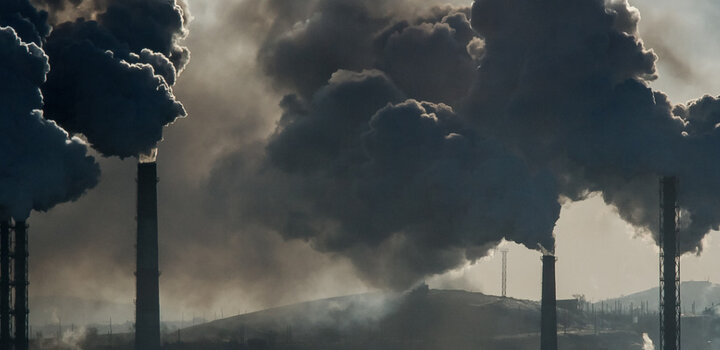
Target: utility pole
{"x":504,"y":272}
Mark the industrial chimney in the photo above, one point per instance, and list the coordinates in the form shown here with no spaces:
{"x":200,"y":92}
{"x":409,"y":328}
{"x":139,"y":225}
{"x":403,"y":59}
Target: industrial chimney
{"x":21,"y":283}
{"x":669,"y":266}
{"x":147,"y":305}
{"x":5,"y":339}
{"x":548,"y":310}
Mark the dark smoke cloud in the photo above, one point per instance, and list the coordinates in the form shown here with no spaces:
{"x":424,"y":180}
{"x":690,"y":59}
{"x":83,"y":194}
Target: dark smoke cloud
{"x":85,"y":249}
{"x":121,"y":107}
{"x":157,"y":25}
{"x":112,"y":75}
{"x":360,"y":168}
{"x":564,"y":86}
{"x":567,"y":86}
{"x":218,"y":255}
{"x":29,"y":23}
{"x":425,"y":55}
{"x":42,"y":166}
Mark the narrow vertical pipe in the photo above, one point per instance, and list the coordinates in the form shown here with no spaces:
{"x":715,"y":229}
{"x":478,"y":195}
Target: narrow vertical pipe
{"x":5,"y":338}
{"x":669,"y":256}
{"x":504,"y":273}
{"x":548,"y":306}
{"x":147,"y":312}
{"x":21,"y":286}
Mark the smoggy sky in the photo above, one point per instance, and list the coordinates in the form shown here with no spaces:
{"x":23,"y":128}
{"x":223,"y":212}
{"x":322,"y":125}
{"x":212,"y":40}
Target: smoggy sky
{"x":209,"y":261}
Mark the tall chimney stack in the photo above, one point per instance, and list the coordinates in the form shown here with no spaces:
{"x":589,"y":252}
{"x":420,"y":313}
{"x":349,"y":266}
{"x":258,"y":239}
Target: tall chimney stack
{"x":669,"y":266}
{"x":548,"y":307}
{"x":5,"y":339}
{"x":147,"y":305}
{"x":21,"y":283}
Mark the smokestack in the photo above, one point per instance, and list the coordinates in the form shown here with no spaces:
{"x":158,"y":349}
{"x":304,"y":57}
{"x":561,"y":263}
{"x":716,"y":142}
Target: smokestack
{"x":548,"y":311}
{"x":21,"y":283}
{"x":147,"y":305}
{"x":669,"y":266}
{"x":5,"y":339}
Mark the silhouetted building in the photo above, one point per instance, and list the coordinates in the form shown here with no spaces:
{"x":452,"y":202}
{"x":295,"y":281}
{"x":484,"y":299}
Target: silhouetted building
{"x":572,"y":305}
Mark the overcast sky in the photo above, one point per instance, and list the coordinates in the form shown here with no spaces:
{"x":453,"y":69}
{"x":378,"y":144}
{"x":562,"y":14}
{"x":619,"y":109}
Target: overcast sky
{"x":85,"y":248}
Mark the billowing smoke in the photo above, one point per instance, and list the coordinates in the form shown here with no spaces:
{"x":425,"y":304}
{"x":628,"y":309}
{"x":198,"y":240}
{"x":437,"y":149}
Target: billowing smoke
{"x":426,"y":55}
{"x":529,"y":103}
{"x":567,"y":87}
{"x":41,"y":165}
{"x":112,"y":72}
{"x":362,"y":166}
{"x":29,"y":23}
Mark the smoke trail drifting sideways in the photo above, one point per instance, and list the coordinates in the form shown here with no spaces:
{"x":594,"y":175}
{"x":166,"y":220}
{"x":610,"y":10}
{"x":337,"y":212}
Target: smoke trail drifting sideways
{"x":41,"y":165}
{"x":399,"y":186}
{"x":565,"y":83}
{"x":111,"y":78}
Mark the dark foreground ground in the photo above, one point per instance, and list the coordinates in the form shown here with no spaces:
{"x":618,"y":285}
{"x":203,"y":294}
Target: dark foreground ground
{"x":421,"y":320}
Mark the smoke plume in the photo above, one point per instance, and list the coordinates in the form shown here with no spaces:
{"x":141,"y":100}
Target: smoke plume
{"x":527,"y":103}
{"x":600,"y":127}
{"x":112,"y":72}
{"x":360,"y":165}
{"x":42,"y":166}
{"x":248,"y":54}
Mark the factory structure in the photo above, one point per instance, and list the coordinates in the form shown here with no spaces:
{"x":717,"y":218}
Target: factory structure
{"x":14,"y":273}
{"x":14,"y":311}
{"x":669,"y":286}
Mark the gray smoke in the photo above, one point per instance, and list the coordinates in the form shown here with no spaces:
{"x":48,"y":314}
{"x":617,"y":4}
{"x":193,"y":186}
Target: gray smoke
{"x":534,"y":102}
{"x":357,"y":35}
{"x":360,"y":166}
{"x":41,"y":165}
{"x":241,"y":259}
{"x":567,"y":87}
{"x":112,"y":72}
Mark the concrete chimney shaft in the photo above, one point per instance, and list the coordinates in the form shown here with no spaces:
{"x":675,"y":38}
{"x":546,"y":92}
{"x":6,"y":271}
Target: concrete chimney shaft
{"x":548,"y":307}
{"x":147,"y":304}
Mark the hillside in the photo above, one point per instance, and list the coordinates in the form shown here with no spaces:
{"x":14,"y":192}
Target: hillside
{"x":423,"y":319}
{"x":703,"y":294}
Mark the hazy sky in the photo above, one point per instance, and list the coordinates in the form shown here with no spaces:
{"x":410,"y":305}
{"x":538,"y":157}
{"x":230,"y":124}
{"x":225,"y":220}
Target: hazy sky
{"x":85,"y":248}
